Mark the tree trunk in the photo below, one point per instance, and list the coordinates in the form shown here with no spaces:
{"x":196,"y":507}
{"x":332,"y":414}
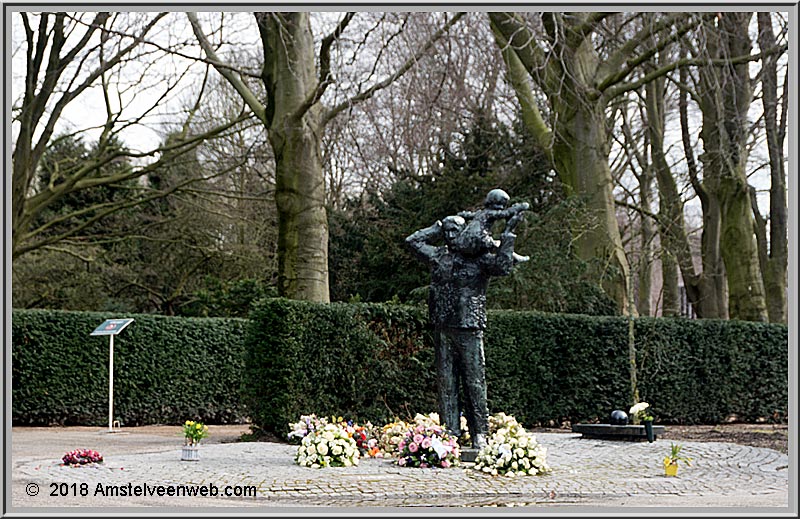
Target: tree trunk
{"x":578,"y":144}
{"x":302,"y":220}
{"x":713,"y":285}
{"x":646,"y":261}
{"x":774,"y":267}
{"x":671,"y":229}
{"x":746,"y":297}
{"x":725,"y":99}
{"x":706,"y":291}
{"x":581,"y":161}
{"x":295,"y":133}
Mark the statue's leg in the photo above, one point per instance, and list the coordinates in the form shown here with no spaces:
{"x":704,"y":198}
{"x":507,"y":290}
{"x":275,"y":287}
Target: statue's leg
{"x":447,"y":383}
{"x":474,"y":376}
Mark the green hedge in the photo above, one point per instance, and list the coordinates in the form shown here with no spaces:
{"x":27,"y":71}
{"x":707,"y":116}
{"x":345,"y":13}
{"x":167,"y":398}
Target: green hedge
{"x":363,"y":361}
{"x":703,"y":371}
{"x":550,"y":368}
{"x":373,"y":362}
{"x":166,"y":369}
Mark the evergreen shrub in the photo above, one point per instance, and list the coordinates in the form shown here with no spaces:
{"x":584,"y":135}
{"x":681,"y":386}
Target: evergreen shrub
{"x":376,"y":362}
{"x":709,"y":370}
{"x":360,"y":361}
{"x":166,"y":369}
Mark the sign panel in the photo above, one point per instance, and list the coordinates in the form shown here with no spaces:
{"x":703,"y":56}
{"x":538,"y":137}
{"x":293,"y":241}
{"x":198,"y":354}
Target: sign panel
{"x":111,"y":327}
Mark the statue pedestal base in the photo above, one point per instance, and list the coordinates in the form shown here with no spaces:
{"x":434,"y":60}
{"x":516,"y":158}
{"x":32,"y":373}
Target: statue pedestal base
{"x":469,"y":455}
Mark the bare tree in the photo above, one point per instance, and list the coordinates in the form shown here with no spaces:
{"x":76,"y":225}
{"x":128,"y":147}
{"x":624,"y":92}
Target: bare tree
{"x":559,"y":56}
{"x":66,"y":56}
{"x":295,"y":78}
{"x":635,"y":146}
{"x":773,"y":256}
{"x":725,"y":95}
{"x":404,"y":129}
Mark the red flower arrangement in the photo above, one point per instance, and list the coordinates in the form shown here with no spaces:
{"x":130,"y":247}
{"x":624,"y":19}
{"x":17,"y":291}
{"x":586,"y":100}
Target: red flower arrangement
{"x":82,"y":457}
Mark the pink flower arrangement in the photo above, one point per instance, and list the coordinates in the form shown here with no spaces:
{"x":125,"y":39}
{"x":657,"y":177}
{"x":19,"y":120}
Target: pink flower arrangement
{"x":82,"y":457}
{"x":428,"y":445}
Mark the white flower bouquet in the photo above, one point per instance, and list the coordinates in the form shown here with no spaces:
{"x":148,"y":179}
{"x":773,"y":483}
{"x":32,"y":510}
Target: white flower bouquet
{"x":329,"y":446}
{"x":512,"y":451}
{"x":499,"y":421}
{"x":391,"y":435}
{"x":639,"y":412}
{"x":307,"y":423}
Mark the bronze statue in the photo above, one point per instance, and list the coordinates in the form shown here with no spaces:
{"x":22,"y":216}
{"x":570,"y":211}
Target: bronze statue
{"x":477,"y":237}
{"x":460,"y":272}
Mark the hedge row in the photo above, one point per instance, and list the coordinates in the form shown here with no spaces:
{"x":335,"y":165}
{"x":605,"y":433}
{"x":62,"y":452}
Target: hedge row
{"x":374,"y":362}
{"x":704,"y":371}
{"x":366,"y":362}
{"x":166,"y":370}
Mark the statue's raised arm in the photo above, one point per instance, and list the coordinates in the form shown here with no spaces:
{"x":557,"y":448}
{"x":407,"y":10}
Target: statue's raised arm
{"x":420,"y":242}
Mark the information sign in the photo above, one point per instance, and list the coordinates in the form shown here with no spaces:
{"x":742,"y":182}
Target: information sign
{"x":111,"y":327}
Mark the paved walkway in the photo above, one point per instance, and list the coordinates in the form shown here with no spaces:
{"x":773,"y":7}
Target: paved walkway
{"x":585,"y":473}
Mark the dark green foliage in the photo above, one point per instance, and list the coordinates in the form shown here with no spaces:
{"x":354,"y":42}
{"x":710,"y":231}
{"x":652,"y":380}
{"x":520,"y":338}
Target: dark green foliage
{"x":166,"y":370}
{"x":544,"y":368}
{"x":703,"y":371}
{"x":554,"y":280}
{"x":374,"y":362}
{"x":64,"y":157}
{"x":362,"y":361}
{"x":370,"y":262}
{"x":227,"y":299}
{"x":168,"y":250}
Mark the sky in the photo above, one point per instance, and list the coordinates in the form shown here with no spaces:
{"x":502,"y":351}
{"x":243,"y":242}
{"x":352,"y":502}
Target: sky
{"x":136,"y":88}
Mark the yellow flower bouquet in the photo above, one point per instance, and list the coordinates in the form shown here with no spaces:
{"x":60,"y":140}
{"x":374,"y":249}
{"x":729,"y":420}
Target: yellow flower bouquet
{"x":194,"y":432}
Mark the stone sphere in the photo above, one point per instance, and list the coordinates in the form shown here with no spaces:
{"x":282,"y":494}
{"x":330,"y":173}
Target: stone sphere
{"x":619,"y":417}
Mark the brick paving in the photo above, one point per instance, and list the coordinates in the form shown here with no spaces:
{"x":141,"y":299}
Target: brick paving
{"x":584,"y":472}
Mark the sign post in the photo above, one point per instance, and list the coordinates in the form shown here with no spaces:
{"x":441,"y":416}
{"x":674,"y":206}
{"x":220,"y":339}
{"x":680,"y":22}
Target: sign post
{"x":111,"y":327}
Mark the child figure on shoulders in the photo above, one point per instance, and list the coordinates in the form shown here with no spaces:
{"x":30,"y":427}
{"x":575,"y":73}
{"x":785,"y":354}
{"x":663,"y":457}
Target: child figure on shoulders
{"x":477,"y":238}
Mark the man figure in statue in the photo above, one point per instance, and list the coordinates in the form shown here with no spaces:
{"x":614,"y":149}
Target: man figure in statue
{"x":457,"y":310}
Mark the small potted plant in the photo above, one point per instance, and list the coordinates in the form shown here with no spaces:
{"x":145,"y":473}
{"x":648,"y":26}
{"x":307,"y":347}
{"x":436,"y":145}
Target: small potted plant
{"x":193,"y":432}
{"x":671,"y":461}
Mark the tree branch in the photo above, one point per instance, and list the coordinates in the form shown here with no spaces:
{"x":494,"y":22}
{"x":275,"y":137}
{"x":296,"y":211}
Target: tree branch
{"x":687,"y":62}
{"x":518,"y":77}
{"x":78,"y":180}
{"x":616,"y":61}
{"x":644,"y":212}
{"x":105,"y":209}
{"x":68,"y":96}
{"x":635,"y":61}
{"x":577,"y":34}
{"x":333,"y":112}
{"x":691,"y":164}
{"x":517,"y":36}
{"x":325,"y":77}
{"x":225,"y":71}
